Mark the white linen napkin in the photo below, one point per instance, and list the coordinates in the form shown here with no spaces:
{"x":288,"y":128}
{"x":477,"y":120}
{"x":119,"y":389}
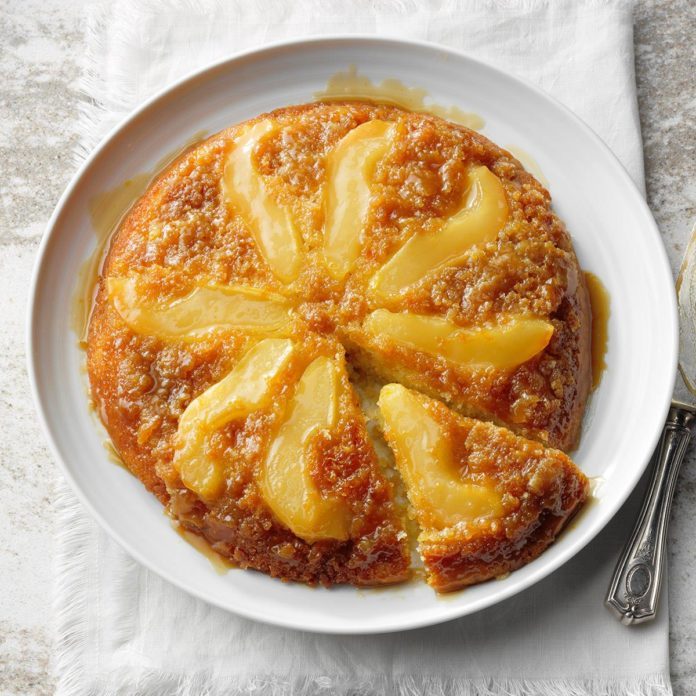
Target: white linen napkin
{"x":123,"y":630}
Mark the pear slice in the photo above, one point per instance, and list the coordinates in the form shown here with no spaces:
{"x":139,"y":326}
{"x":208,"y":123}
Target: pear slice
{"x":271,"y":224}
{"x":423,"y":455}
{"x":502,"y":346}
{"x":286,"y":483}
{"x":248,"y":387}
{"x":484,"y":213}
{"x":347,"y":193}
{"x":201,"y":311}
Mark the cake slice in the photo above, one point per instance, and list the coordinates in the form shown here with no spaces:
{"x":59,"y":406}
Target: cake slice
{"x":273,"y":466}
{"x":487,"y":501}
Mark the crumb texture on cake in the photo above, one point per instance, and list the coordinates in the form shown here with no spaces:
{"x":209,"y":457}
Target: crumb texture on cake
{"x":311,"y":243}
{"x":487,"y":501}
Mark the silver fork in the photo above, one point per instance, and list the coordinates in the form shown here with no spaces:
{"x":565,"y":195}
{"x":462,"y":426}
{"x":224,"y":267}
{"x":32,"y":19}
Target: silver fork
{"x":634,"y":591}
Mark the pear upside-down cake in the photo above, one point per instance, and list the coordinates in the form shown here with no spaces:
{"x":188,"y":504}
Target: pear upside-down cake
{"x":281,"y":262}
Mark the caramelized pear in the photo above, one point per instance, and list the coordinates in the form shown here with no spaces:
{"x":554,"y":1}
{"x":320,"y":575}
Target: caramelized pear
{"x":246,"y":388}
{"x":270,"y":223}
{"x":483,"y":214}
{"x":201,"y":311}
{"x":423,"y":456}
{"x":503,"y":346}
{"x":285,"y":480}
{"x":347,"y":194}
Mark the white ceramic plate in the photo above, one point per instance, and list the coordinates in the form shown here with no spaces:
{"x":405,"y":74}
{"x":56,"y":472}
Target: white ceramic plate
{"x":614,"y":235}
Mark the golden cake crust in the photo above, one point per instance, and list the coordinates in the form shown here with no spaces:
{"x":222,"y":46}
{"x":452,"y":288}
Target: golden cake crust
{"x":181,"y":234}
{"x":142,"y":412}
{"x":540,"y":490}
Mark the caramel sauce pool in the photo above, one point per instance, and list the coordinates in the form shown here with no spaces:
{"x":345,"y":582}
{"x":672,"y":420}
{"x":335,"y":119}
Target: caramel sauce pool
{"x":106,"y":211}
{"x":529,"y":163}
{"x":350,"y":85}
{"x":600,"y":304}
{"x":220,"y":564}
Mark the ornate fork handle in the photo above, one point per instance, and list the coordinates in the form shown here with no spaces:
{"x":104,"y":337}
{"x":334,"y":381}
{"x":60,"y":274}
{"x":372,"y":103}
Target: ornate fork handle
{"x":634,"y":591}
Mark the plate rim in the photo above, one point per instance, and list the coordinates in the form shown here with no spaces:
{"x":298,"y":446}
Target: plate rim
{"x":227,"y":63}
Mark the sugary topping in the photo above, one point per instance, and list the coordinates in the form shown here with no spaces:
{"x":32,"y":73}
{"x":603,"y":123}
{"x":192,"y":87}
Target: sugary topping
{"x":399,"y":244}
{"x":286,"y":482}
{"x":423,"y":454}
{"x":482,"y":214}
{"x":247,"y":388}
{"x":271,"y":223}
{"x":349,"y":169}
{"x":505,"y":345}
{"x":204,"y":310}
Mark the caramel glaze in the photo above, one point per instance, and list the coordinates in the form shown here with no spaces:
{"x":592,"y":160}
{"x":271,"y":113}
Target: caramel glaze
{"x":349,"y":85}
{"x":600,"y":303}
{"x":529,"y":162}
{"x":181,"y":233}
{"x":107,"y":210}
{"x":220,"y":563}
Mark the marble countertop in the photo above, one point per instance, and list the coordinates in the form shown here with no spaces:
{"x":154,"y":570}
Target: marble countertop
{"x":40,"y":46}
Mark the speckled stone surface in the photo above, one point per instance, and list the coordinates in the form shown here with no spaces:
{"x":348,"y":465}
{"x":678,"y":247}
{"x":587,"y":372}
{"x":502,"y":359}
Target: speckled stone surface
{"x":40,"y":45}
